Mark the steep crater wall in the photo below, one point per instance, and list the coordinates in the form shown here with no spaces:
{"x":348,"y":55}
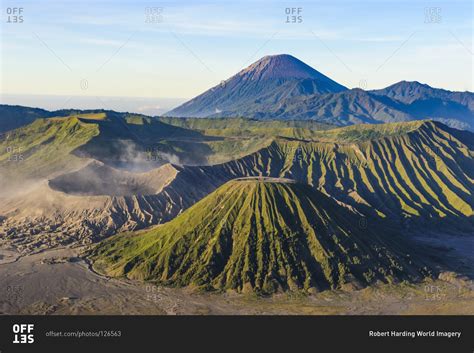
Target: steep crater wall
{"x":98,"y":179}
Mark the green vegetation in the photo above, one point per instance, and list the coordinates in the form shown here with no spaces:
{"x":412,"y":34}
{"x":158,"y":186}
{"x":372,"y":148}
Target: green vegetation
{"x":241,"y":123}
{"x":264,"y":236}
{"x":242,"y":127}
{"x":15,"y":116}
{"x":366,"y":132}
{"x":90,"y":116}
{"x":43,"y":147}
{"x":253,"y":235}
{"x":291,"y":129}
{"x":418,"y":171}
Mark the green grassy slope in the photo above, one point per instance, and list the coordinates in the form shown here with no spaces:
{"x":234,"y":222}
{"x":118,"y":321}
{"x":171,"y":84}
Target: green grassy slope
{"x":419,"y":171}
{"x":235,"y":123}
{"x":43,"y":147}
{"x":367,"y":132}
{"x":141,"y":142}
{"x":234,"y":138}
{"x":262,"y":236}
{"x":244,"y":127}
{"x":425,"y":171}
{"x":15,"y":116}
{"x":127,"y":139}
{"x":117,"y":139}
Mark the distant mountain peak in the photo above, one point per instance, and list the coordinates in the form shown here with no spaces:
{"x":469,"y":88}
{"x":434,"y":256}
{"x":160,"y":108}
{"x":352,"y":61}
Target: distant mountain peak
{"x":406,"y":84}
{"x":280,"y":66}
{"x":410,"y":89}
{"x":266,"y":81}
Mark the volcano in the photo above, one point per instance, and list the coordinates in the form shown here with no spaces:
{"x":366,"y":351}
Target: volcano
{"x":284,"y":88}
{"x":267,"y":81}
{"x":261,"y":235}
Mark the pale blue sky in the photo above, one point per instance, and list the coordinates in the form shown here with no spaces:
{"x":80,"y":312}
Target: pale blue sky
{"x":108,"y":43}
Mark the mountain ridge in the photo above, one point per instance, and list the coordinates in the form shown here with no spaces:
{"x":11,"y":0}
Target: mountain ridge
{"x":303,"y":93}
{"x":417,"y":175}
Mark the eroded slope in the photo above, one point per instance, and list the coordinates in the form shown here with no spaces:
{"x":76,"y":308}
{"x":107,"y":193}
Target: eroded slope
{"x":261,"y":235}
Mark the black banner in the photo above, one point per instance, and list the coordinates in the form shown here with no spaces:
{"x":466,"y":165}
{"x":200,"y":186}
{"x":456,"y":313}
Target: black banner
{"x":230,"y":333}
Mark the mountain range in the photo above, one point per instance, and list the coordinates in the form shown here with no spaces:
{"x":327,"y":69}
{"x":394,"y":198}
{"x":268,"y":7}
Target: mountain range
{"x":282,"y":180}
{"x":283,"y":87}
{"x":269,"y":80}
{"x":108,"y":172}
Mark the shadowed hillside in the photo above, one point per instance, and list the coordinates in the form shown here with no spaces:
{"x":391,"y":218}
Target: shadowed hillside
{"x":417,"y":172}
{"x":269,"y":80}
{"x":415,"y":175}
